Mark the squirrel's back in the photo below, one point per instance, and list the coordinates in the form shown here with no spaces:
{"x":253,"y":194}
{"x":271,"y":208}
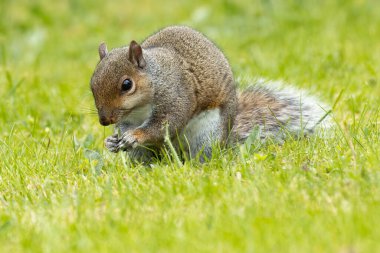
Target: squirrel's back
{"x":192,"y":45}
{"x":201,"y":62}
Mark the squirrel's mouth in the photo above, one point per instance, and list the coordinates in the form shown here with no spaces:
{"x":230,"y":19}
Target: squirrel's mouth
{"x":116,"y":117}
{"x":104,"y":121}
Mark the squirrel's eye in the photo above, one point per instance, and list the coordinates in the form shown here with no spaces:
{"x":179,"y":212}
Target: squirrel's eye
{"x":126,"y":85}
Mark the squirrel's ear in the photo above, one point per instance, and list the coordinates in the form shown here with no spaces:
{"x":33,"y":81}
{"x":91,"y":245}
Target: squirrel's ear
{"x":136,"y":55}
{"x":102,"y":50}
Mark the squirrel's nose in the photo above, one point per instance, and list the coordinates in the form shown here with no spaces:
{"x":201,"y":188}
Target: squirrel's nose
{"x":107,"y":121}
{"x":104,"y":121}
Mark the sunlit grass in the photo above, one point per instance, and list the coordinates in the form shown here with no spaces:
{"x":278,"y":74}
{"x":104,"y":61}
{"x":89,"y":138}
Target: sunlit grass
{"x":61,"y":191}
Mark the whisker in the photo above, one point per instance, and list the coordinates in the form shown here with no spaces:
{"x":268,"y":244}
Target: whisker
{"x":90,"y":113}
{"x":87,"y":110}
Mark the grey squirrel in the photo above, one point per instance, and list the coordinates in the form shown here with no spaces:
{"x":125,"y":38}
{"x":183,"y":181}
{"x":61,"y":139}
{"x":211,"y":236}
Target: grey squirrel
{"x":178,"y":78}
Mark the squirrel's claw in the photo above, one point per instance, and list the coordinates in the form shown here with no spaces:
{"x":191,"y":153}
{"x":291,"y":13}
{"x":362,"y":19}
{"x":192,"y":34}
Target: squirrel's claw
{"x":112,"y":143}
{"x":127,"y":141}
{"x":115,"y":144}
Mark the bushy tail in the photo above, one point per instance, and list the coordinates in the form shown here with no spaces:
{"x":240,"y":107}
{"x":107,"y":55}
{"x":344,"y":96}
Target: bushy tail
{"x":277,"y":112}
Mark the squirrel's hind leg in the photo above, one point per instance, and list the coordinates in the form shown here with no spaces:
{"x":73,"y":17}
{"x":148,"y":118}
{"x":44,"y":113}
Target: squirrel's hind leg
{"x":201,"y":133}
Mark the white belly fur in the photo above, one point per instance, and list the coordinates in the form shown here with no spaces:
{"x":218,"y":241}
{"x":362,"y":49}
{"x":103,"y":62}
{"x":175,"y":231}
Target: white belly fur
{"x":202,"y":130}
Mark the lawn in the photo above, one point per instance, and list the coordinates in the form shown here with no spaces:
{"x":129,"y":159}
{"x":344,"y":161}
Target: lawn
{"x":61,"y":191}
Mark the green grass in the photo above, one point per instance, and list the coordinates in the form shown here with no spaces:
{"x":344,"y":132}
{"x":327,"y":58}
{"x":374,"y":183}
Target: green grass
{"x":61,"y":191}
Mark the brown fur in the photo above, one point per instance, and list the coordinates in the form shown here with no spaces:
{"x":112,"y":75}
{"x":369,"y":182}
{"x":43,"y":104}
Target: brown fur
{"x":178,"y":71}
{"x":256,"y":107}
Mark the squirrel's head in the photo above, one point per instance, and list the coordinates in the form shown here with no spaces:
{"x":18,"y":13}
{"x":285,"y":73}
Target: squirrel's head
{"x":119,"y":83}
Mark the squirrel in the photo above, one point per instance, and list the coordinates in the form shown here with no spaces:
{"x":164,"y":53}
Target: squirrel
{"x":178,"y":79}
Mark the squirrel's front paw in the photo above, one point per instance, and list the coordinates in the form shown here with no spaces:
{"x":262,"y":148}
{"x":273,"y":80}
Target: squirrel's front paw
{"x":112,"y":143}
{"x":127,"y":141}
